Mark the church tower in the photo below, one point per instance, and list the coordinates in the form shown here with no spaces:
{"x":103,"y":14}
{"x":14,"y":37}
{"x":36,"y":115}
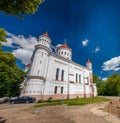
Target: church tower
{"x":40,"y":56}
{"x":64,"y":51}
{"x":34,"y":84}
{"x":89,"y":64}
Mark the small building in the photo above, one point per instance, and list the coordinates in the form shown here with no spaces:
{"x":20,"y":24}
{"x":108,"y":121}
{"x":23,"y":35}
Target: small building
{"x":54,"y":74}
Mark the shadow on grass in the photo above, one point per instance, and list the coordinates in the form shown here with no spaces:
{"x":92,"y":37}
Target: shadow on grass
{"x":2,"y":120}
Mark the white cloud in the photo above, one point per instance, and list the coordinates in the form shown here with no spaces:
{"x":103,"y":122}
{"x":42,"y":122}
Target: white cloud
{"x":112,"y":64}
{"x":96,"y":49}
{"x":22,"y":47}
{"x":85,"y":42}
{"x":104,"y":79}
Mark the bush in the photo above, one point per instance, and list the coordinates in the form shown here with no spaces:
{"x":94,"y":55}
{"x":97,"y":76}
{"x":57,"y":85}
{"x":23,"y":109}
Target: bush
{"x":49,"y":99}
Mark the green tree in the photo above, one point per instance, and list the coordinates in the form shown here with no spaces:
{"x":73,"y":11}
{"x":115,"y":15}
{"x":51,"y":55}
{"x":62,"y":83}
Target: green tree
{"x":101,"y":85}
{"x":10,"y":75}
{"x":110,"y":87}
{"x":19,"y":7}
{"x":2,"y":37}
{"x":113,"y":85}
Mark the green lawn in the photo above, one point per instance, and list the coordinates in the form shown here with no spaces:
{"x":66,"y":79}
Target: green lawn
{"x":79,"y":101}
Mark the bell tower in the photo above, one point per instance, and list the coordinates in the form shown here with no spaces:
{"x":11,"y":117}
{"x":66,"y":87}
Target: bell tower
{"x":35,"y":80}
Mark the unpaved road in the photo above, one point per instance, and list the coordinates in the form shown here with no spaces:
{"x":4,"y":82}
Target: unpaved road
{"x":52,"y":114}
{"x":25,"y":113}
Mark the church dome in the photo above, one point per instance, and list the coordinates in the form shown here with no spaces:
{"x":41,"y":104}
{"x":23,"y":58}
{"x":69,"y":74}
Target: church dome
{"x":28,"y":65}
{"x":88,"y":62}
{"x":44,"y":40}
{"x":64,"y":51}
{"x":63,"y":46}
{"x":45,"y":34}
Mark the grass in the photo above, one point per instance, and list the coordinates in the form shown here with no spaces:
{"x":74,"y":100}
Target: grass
{"x":73,"y":102}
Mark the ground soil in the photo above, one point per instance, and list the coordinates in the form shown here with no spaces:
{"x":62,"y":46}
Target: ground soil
{"x":92,"y":113}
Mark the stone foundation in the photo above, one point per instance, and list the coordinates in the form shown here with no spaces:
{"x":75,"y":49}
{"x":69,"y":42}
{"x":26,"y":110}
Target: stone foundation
{"x":60,"y":96}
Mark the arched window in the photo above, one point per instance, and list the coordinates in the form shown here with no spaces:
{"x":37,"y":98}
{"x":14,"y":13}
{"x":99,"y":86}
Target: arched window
{"x":61,"y":90}
{"x":67,"y":54}
{"x":76,"y":77}
{"x":38,"y":72}
{"x":55,"y":90}
{"x":62,"y":75}
{"x":57,"y":73}
{"x":79,"y":78}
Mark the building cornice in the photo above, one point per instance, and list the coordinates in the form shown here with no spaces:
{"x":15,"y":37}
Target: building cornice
{"x":69,"y":61}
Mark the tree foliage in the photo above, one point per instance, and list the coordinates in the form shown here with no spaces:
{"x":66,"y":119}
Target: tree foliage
{"x":10,"y":75}
{"x":2,"y":35}
{"x":110,"y":87}
{"x":19,"y":7}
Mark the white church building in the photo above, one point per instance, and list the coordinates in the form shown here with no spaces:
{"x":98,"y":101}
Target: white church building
{"x":54,"y":74}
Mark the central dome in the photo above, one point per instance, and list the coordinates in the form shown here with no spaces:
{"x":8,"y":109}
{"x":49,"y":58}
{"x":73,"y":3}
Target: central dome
{"x":64,"y":51}
{"x":63,"y":46}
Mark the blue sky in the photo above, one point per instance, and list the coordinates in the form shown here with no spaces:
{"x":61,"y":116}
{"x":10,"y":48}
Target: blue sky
{"x":90,"y":27}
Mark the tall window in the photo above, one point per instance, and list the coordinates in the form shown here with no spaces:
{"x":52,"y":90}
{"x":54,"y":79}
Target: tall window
{"x":79,"y":78}
{"x":55,"y":90}
{"x":57,"y":73}
{"x":38,"y":72}
{"x":42,"y":54}
{"x":76,"y":78}
{"x":61,"y":90}
{"x":87,"y":80}
{"x":62,"y":76}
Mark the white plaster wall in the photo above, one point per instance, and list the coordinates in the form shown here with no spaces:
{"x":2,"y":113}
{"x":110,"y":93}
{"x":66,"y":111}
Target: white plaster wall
{"x":34,"y":87}
{"x":39,"y":63}
{"x":76,"y":89}
{"x":95,"y":90}
{"x":50,"y":86}
{"x":53,"y":65}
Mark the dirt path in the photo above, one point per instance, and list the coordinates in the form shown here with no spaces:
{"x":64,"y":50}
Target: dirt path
{"x":25,"y":113}
{"x":50,"y":114}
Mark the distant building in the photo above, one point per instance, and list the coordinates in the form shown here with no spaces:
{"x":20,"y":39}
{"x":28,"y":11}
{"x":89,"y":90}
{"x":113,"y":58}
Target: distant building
{"x":55,"y":74}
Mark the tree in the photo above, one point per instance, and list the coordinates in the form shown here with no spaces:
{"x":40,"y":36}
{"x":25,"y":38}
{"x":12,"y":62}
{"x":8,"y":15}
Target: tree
{"x":113,"y":85}
{"x":110,"y":87}
{"x":101,"y":87}
{"x":2,"y":35}
{"x":10,"y":75}
{"x":19,"y":7}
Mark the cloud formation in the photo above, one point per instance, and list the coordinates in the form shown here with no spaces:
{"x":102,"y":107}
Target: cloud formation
{"x":104,"y":79}
{"x":96,"y":49}
{"x":22,"y":47}
{"x":112,"y":64}
{"x":85,"y":42}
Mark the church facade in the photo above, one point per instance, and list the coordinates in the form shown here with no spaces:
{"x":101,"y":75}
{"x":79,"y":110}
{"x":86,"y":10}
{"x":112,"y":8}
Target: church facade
{"x":54,"y":74}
